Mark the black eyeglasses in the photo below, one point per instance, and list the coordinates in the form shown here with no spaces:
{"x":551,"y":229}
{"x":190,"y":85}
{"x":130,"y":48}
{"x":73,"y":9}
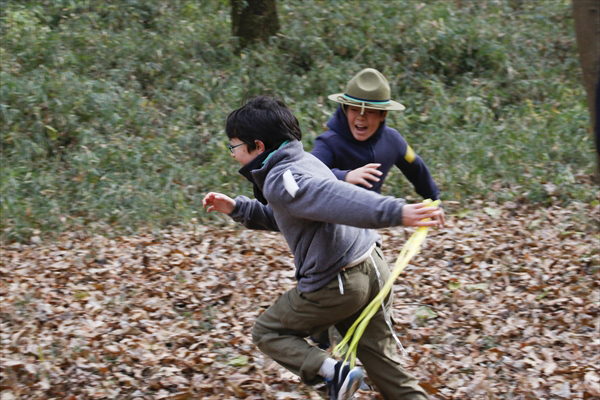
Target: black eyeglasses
{"x":230,"y":147}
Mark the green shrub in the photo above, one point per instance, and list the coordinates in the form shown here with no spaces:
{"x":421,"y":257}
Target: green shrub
{"x":112,"y":113}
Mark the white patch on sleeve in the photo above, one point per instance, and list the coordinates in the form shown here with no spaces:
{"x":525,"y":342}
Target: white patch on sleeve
{"x":290,"y":183}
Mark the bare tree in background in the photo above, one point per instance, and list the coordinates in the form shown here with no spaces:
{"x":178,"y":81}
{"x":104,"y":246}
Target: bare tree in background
{"x":586,"y":14}
{"x":253,"y":20}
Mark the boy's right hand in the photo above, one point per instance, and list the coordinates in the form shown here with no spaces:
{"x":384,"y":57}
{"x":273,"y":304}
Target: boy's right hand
{"x":218,"y":202}
{"x":418,"y":214}
{"x":360,"y":175}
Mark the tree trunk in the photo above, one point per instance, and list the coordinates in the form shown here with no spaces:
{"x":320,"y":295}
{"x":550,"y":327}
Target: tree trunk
{"x":253,"y":20}
{"x":586,"y":14}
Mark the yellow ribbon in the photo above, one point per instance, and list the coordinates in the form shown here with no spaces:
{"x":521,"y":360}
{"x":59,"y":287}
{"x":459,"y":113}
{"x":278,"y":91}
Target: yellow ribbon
{"x":411,"y":247}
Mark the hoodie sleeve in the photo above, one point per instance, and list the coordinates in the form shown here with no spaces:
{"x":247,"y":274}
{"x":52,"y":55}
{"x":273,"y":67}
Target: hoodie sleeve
{"x":415,"y":170}
{"x":324,"y":153}
{"x":332,"y":201}
{"x":253,"y":214}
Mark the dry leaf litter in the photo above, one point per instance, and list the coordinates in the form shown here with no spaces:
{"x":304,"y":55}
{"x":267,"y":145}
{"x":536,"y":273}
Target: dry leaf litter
{"x":501,"y":303}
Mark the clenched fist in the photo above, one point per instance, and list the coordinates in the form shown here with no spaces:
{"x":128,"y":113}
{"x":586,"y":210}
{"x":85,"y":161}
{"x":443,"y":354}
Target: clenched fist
{"x":218,"y":202}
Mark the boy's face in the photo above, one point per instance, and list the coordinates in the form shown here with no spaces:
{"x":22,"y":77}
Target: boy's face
{"x":364,"y":126}
{"x":240,"y":151}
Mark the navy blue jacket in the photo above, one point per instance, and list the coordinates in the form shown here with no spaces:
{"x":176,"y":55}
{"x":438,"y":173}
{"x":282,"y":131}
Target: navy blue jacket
{"x":341,"y":152}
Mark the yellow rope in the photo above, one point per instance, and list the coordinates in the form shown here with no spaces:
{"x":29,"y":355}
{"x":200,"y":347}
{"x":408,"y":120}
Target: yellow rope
{"x":411,"y":247}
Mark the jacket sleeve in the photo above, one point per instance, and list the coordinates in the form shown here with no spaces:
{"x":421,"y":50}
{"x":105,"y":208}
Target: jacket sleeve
{"x":415,"y":170}
{"x":253,"y":214}
{"x":332,"y":201}
{"x":324,"y":153}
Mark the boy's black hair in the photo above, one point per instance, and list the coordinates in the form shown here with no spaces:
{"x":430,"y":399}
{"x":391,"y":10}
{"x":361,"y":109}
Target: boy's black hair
{"x":263,"y":118}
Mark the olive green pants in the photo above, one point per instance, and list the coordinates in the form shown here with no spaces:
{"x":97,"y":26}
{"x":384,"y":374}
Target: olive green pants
{"x":279,"y":332}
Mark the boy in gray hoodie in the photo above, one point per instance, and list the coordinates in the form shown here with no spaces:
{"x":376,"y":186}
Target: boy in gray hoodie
{"x":328,"y":225}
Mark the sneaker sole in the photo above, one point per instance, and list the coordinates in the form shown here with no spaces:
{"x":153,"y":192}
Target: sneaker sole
{"x":351,"y":384}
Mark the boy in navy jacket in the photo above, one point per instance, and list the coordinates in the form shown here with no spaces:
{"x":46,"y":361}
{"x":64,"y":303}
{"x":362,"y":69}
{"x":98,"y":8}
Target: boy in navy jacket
{"x":359,"y":147}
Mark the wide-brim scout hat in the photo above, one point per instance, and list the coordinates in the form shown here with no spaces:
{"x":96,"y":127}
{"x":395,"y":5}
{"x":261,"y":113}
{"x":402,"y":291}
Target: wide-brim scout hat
{"x":368,"y":89}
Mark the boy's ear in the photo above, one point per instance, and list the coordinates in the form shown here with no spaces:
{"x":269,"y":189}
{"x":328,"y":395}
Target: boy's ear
{"x":260,"y":146}
{"x":383,"y":115}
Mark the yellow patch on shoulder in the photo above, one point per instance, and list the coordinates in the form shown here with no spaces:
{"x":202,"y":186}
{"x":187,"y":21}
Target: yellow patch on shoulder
{"x":410,"y":154}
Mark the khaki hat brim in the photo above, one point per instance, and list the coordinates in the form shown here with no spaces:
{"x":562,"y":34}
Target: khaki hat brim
{"x":390,"y":106}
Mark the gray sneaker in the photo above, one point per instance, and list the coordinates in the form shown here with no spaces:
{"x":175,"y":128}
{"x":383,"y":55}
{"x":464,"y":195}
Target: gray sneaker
{"x":345,"y":382}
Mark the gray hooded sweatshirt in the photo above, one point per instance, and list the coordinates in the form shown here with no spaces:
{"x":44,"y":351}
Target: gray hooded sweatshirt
{"x":327,"y":223}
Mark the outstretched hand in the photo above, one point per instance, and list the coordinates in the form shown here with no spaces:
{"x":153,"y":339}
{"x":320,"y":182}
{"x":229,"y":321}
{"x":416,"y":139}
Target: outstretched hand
{"x":364,"y":174}
{"x":218,"y":202}
{"x":421,"y":214}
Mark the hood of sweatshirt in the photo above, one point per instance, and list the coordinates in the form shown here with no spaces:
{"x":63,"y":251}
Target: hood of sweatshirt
{"x":291,"y":152}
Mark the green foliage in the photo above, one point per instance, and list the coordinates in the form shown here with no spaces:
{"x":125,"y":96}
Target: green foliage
{"x":112,"y":113}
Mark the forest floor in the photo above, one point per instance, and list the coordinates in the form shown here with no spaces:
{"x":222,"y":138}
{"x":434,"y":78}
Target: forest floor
{"x":501,"y":303}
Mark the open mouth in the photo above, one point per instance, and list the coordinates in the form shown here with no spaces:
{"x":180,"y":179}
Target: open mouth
{"x":361,"y":129}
